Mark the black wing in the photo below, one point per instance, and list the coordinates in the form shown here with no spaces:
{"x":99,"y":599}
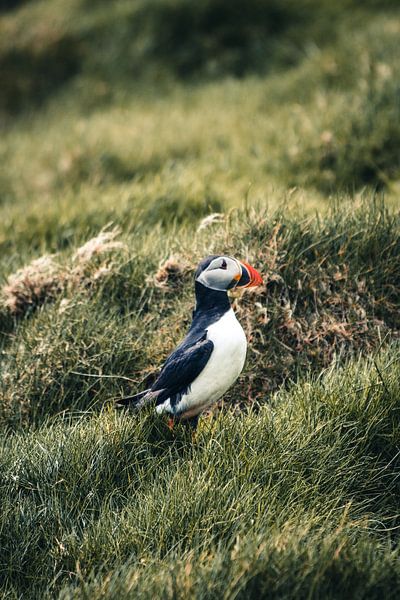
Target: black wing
{"x":181,"y":369}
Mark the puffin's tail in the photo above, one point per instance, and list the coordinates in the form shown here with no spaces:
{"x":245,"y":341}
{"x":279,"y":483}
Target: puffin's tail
{"x":137,"y":401}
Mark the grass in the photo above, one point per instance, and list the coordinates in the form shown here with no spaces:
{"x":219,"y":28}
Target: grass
{"x":300,"y":496}
{"x":331,"y":290}
{"x":124,"y":126}
{"x":45,"y":45}
{"x":359,"y":149}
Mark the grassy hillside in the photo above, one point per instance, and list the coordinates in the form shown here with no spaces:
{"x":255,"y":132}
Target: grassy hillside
{"x":298,"y":499}
{"x":136,"y":138}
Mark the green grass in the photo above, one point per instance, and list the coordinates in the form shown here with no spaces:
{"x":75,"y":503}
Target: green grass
{"x":297,"y":496}
{"x":45,"y":45}
{"x":126,"y":124}
{"x":300,"y":498}
{"x":332,"y":289}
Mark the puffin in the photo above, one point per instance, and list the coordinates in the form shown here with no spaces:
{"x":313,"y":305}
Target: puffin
{"x":211,"y":356}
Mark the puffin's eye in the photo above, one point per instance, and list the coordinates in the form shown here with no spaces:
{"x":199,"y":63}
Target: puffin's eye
{"x":224,"y":265}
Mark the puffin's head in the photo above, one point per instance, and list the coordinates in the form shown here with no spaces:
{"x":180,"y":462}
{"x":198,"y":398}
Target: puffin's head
{"x":223,"y":273}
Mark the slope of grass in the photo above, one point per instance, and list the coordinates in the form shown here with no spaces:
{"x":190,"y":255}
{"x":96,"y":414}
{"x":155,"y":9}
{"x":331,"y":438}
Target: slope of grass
{"x":298,"y":500}
{"x":357,"y":143}
{"x":329,"y":122}
{"x":46,"y":45}
{"x":332,"y":289}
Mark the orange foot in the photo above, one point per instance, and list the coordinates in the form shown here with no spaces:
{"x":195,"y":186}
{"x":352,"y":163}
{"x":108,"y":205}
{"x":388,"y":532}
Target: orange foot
{"x":170,"y":423}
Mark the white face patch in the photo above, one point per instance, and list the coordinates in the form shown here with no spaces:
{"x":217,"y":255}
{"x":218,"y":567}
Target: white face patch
{"x":220,"y":273}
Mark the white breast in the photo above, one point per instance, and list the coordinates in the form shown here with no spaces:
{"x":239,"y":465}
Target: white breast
{"x":223,"y":368}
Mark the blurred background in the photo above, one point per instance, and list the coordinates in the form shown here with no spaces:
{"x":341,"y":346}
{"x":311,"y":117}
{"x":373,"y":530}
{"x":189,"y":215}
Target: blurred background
{"x":153,"y":111}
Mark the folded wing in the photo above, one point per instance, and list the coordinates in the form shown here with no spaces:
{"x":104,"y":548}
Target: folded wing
{"x":181,"y":368}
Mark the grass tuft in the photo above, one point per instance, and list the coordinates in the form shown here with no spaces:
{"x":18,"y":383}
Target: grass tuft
{"x":43,"y":280}
{"x":40,"y":281}
{"x":170,"y":273}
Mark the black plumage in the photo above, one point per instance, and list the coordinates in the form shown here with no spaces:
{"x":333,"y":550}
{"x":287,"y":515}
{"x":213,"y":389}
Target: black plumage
{"x":188,"y":360}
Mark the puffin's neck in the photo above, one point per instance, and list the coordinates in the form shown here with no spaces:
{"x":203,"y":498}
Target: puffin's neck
{"x":210,"y":301}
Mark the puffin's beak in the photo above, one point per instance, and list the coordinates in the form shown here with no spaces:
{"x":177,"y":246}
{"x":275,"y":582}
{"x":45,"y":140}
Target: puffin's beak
{"x":250,"y":277}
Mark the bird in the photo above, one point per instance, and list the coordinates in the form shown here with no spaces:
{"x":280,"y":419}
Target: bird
{"x":211,"y":357}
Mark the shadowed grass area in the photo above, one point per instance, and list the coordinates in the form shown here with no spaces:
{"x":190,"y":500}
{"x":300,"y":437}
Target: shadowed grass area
{"x":44,"y":45}
{"x":301,"y":496}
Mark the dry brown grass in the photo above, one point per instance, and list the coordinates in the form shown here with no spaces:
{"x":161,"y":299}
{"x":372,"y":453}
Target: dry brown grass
{"x":40,"y":281}
{"x":44,"y":279}
{"x":170,"y":272}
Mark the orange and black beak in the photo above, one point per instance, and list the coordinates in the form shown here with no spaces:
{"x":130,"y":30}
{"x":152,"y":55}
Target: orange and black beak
{"x":250,"y":277}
